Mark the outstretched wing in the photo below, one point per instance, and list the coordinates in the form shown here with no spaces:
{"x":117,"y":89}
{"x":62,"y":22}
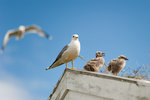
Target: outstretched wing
{"x":8,"y":35}
{"x":36,"y":29}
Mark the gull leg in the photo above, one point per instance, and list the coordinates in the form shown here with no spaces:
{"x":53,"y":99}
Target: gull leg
{"x":115,"y":74}
{"x":67,"y":67}
{"x":73,"y":65}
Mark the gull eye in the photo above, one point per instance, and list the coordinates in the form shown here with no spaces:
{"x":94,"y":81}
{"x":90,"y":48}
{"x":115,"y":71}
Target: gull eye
{"x":73,"y":36}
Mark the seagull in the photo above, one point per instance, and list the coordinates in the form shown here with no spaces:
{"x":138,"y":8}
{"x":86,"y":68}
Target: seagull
{"x":116,"y":65}
{"x":21,"y":31}
{"x":68,"y":53}
{"x":96,"y":63}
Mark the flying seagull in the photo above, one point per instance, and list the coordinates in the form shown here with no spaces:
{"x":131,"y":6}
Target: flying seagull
{"x":21,"y":31}
{"x":96,"y":63}
{"x":116,"y":65}
{"x":68,"y":53}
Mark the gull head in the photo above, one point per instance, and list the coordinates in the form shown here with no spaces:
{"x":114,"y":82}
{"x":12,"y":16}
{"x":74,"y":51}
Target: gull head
{"x":75,"y":37}
{"x":22,"y":28}
{"x":122,"y":57}
{"x":99,"y":54}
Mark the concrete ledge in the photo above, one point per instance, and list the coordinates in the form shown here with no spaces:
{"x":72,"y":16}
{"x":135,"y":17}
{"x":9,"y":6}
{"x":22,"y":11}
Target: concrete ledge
{"x":85,"y":85}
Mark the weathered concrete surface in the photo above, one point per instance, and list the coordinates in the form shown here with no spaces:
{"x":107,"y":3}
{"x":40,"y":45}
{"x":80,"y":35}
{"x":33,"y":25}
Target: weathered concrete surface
{"x":84,"y":85}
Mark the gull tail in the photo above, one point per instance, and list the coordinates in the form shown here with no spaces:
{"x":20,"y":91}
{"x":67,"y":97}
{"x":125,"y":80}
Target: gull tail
{"x":52,"y":66}
{"x":55,"y":64}
{"x":48,"y":68}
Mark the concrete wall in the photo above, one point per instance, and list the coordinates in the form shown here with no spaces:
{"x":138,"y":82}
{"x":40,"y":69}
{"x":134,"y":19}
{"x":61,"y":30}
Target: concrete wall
{"x":84,"y":85}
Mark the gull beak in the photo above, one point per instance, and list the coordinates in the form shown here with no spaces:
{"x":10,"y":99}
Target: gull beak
{"x":76,"y":37}
{"x":103,"y":54}
{"x":126,"y":58}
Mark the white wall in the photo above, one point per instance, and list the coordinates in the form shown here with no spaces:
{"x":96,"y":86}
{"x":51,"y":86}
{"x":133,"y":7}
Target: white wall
{"x":84,"y":85}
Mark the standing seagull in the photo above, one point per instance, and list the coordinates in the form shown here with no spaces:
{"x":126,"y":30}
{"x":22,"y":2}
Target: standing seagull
{"x":68,"y":53}
{"x":20,"y":32}
{"x":96,"y":63}
{"x":116,"y":65}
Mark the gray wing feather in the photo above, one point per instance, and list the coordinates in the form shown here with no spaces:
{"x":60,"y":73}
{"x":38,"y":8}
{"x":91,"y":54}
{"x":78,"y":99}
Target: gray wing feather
{"x":8,"y":35}
{"x":36,"y":29}
{"x":61,"y":52}
{"x":59,"y":56}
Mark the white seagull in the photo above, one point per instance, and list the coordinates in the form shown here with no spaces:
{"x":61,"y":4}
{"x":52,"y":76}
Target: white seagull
{"x":21,"y":31}
{"x":68,"y":53}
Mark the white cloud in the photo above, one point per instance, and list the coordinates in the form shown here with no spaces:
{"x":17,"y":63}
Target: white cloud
{"x":10,"y":88}
{"x":10,"y":91}
{"x":17,"y":88}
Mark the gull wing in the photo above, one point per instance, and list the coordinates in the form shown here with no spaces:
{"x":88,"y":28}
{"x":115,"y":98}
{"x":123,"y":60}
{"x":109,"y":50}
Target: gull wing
{"x":8,"y":35}
{"x":36,"y":29}
{"x":56,"y":62}
{"x":115,"y":66}
{"x":94,"y":64}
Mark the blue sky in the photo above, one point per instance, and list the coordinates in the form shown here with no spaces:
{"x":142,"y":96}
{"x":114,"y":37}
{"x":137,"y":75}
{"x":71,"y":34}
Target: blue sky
{"x":114,"y":27}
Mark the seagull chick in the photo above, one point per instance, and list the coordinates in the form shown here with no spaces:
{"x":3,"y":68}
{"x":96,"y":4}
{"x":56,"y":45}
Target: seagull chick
{"x":116,"y":65}
{"x":20,"y":32}
{"x":68,"y":53}
{"x":96,"y":63}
